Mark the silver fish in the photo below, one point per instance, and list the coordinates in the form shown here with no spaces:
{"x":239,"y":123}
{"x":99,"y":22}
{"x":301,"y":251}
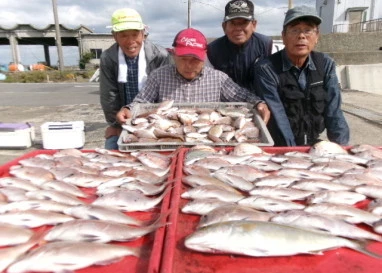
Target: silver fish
{"x":244,"y":171}
{"x":348,"y":213}
{"x":246,"y":149}
{"x":266,"y":239}
{"x":231,"y":212}
{"x":13,"y":235}
{"x":274,"y":181}
{"x":68,"y":256}
{"x":145,"y":188}
{"x":265,"y":166}
{"x":299,"y":173}
{"x":318,"y":185}
{"x":57,"y":196}
{"x":38,"y":162}
{"x":202,"y":206}
{"x":93,"y":212}
{"x":234,"y":181}
{"x":22,"y":205}
{"x":196,"y":170}
{"x":336,"y":197}
{"x":33,"y":218}
{"x":334,"y":168}
{"x":199,"y":180}
{"x":373,"y":191}
{"x":212,"y":191}
{"x":18,"y":183}
{"x":325,"y":148}
{"x":13,"y":194}
{"x":297,"y":163}
{"x":64,"y":187}
{"x":269,"y":204}
{"x":11,"y":254}
{"x":98,"y":231}
{"x":146,"y":176}
{"x":212,"y":163}
{"x":86,"y":180}
{"x":129,"y":200}
{"x":328,"y":224}
{"x":36,"y":175}
{"x":354,"y":180}
{"x":280,"y":193}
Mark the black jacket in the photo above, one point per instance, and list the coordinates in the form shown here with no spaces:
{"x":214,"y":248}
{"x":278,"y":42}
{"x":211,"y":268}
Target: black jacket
{"x":238,"y":61}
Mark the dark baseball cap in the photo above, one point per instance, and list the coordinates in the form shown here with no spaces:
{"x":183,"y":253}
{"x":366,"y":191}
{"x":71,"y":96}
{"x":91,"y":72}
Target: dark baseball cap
{"x":239,"y":9}
{"x":302,"y":12}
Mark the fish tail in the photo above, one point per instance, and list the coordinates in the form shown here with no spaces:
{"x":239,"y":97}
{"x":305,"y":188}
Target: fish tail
{"x":362,"y":246}
{"x":160,"y":221}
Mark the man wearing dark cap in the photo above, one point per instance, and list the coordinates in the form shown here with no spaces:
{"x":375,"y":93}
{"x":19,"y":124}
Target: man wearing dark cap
{"x":301,"y":86}
{"x":190,"y":81}
{"x":241,"y":47}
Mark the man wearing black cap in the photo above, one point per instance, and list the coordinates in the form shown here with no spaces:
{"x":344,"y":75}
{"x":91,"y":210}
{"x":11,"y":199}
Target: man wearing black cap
{"x":301,"y":86}
{"x":236,"y":52}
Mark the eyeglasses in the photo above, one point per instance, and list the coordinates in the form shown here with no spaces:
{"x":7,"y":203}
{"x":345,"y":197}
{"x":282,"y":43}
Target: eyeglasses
{"x":296,"y":32}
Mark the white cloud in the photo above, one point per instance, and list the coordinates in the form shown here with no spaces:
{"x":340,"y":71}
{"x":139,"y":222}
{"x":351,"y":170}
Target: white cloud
{"x":164,"y":17}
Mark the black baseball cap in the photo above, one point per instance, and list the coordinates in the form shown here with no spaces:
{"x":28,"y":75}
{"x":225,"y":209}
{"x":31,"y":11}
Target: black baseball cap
{"x":239,"y":9}
{"x":302,"y":12}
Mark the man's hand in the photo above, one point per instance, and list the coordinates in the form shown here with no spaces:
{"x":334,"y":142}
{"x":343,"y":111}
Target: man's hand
{"x":123,"y":115}
{"x":264,"y":112}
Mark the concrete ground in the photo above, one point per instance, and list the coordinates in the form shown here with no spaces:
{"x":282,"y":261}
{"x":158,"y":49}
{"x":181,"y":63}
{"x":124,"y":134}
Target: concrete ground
{"x":363,"y":112}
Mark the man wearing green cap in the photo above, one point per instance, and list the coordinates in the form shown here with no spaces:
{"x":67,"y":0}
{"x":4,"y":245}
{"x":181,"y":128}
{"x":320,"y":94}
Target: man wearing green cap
{"x":125,"y":66}
{"x":300,"y":86}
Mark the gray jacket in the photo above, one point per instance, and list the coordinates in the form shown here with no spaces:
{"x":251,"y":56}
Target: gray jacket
{"x":113,"y":92}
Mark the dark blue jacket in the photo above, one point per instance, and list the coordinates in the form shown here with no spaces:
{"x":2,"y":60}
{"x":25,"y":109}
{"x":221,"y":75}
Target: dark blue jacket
{"x":267,"y":83}
{"x":238,"y":61}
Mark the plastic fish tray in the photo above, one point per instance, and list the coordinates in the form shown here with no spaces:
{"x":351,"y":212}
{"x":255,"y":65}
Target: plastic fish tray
{"x":177,"y":258}
{"x":150,"y":244}
{"x":139,"y":108}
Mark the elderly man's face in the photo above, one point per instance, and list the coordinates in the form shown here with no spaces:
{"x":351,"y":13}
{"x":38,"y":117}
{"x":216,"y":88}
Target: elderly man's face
{"x":300,"y":39}
{"x":239,"y":30}
{"x":130,"y":41}
{"x":189,"y":67}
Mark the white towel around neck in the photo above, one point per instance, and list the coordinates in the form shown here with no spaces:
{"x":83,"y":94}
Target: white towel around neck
{"x":122,"y":67}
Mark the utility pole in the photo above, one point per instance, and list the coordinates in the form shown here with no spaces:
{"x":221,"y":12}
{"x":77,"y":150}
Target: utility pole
{"x":290,"y":4}
{"x":58,"y":36}
{"x":189,"y":14}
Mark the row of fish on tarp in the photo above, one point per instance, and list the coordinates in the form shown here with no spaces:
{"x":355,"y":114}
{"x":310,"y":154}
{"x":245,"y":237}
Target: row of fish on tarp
{"x":64,"y":211}
{"x":261,"y":204}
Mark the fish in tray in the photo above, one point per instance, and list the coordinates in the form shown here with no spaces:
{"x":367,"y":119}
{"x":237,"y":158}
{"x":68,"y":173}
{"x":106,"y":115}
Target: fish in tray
{"x":228,"y":124}
{"x":266,"y":239}
{"x":68,"y":256}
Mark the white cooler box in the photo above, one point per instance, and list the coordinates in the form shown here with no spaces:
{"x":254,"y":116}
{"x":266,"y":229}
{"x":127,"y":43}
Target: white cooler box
{"x":63,"y":135}
{"x":16,"y":135}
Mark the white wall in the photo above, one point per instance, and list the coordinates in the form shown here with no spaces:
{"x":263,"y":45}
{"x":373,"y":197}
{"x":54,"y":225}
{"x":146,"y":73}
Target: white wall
{"x":361,"y":77}
{"x":334,"y":12}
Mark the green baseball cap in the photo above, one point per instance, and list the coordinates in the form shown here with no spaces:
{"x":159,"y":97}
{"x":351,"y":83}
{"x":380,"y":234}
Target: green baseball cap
{"x":125,"y":19}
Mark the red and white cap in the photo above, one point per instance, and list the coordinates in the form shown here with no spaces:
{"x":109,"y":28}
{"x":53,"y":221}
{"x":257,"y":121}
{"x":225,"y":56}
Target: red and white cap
{"x":190,"y":42}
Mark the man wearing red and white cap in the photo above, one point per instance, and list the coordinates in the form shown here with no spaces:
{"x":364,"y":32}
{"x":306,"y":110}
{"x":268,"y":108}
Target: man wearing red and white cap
{"x":190,"y":81}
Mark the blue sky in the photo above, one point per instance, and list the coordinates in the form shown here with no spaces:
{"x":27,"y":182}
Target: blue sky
{"x":164,"y":17}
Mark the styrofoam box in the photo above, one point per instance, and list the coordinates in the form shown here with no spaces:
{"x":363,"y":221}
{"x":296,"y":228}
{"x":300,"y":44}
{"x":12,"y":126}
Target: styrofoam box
{"x":63,"y":135}
{"x":16,"y":135}
{"x":139,"y":108}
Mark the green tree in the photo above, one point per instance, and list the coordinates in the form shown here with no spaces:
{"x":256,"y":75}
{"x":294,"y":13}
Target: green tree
{"x":85,"y":59}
